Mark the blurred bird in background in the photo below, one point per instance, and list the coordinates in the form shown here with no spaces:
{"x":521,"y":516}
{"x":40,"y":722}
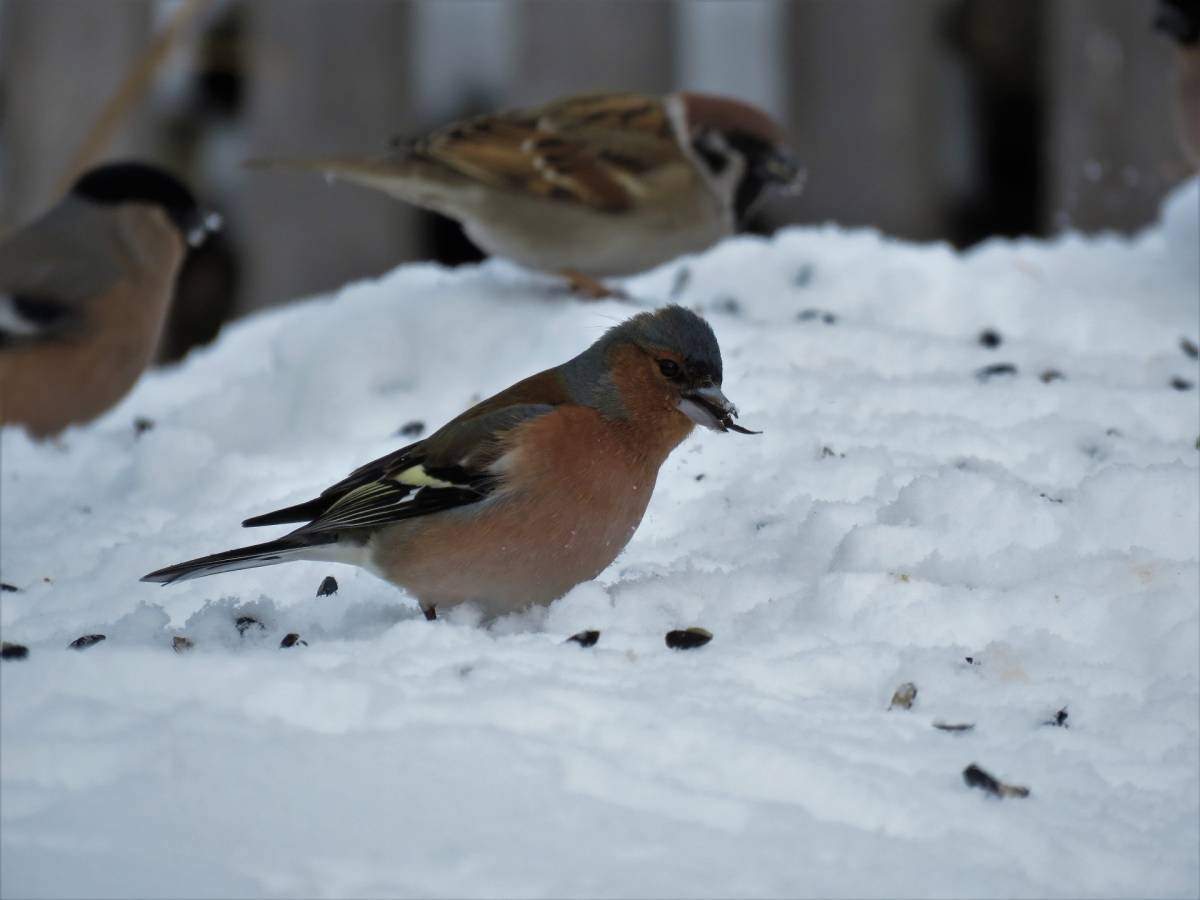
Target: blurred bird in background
{"x":84,"y":292}
{"x":526,"y":494}
{"x":589,"y":186}
{"x":1181,"y":20}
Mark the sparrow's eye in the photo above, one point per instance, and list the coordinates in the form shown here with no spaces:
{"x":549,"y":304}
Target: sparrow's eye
{"x":669,"y":367}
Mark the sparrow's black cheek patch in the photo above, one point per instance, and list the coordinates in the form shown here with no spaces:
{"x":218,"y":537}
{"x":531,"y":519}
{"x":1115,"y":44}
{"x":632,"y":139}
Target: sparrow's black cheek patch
{"x":714,"y":160}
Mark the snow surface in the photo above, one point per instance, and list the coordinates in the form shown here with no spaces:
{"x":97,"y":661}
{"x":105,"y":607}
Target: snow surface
{"x":1047,"y":530}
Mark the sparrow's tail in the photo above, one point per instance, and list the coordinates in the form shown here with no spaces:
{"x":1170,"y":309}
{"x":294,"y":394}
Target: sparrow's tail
{"x":404,"y":174}
{"x":287,"y":548}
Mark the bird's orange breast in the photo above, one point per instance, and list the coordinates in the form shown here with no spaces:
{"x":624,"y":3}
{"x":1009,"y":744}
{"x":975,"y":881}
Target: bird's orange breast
{"x":575,"y":489}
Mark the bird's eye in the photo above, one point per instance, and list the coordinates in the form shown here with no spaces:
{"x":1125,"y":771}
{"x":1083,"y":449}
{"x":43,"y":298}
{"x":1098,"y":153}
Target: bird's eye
{"x":669,"y":367}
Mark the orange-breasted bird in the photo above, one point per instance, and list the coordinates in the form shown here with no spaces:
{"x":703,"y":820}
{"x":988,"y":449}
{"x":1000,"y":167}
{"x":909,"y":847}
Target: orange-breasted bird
{"x":524,"y":495}
{"x":84,"y":292}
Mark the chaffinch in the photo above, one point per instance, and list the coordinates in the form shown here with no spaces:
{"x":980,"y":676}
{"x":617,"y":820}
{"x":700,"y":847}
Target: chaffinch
{"x":589,"y":186}
{"x":84,"y":291}
{"x":524,"y":495}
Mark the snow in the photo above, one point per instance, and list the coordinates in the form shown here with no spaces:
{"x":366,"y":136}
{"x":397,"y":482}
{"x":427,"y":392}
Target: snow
{"x":897,"y":515}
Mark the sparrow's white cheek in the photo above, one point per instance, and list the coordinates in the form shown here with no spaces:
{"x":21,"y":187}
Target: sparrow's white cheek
{"x":698,"y":414}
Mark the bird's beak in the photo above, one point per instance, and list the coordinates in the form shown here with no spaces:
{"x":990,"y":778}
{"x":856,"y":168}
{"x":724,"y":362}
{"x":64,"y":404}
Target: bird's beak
{"x":205,"y":224}
{"x":707,"y":406}
{"x":783,"y":168}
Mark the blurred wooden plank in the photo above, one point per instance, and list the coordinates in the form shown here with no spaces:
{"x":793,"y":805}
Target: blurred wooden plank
{"x":866,"y":111}
{"x":735,"y":49}
{"x":568,"y":48}
{"x":61,"y":61}
{"x":1111,"y":151}
{"x":325,"y":78}
{"x":132,"y":90}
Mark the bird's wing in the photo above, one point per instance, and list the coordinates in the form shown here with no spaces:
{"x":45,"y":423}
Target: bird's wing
{"x":452,"y":467}
{"x":49,"y":269}
{"x":609,"y":152}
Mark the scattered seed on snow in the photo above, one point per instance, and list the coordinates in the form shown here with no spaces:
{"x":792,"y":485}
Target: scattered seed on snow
{"x":245,"y":623}
{"x":904,"y":696}
{"x":1059,"y":720}
{"x":688,"y":638}
{"x":87,"y":640}
{"x":809,"y":315}
{"x":989,"y":372}
{"x":977,"y":777}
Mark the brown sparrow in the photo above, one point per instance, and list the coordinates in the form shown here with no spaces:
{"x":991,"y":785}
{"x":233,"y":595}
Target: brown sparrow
{"x":589,"y":186}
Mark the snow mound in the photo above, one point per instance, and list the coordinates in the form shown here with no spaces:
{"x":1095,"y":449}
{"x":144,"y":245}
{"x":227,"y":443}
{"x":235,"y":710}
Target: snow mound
{"x":916,"y":499}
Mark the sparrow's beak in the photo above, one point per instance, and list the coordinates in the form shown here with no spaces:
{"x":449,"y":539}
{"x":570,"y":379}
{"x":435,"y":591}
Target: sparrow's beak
{"x":707,"y":406}
{"x":203,"y":225}
{"x":783,"y":168}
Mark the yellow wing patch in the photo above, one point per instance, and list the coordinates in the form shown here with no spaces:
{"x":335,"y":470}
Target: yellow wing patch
{"x":416,"y":476}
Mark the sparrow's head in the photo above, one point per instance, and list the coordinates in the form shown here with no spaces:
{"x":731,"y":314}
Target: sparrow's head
{"x":661,"y":362}
{"x":114,"y":184}
{"x":741,"y":148}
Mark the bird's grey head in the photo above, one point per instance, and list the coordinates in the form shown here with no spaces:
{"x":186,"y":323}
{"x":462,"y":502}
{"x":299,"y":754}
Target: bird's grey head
{"x":677,"y":356}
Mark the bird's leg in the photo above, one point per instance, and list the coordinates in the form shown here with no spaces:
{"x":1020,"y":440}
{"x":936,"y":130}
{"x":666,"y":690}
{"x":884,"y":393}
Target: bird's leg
{"x":589,"y":288}
{"x":430,"y":613}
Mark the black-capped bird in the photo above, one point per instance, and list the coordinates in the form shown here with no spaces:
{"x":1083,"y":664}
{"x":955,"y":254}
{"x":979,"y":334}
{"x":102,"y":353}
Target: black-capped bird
{"x":84,"y":292}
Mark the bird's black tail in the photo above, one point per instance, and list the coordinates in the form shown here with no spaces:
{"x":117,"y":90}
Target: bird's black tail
{"x":287,"y":548}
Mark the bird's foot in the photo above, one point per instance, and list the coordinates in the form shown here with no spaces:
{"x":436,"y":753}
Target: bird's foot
{"x":430,"y":613}
{"x":591,"y":289}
